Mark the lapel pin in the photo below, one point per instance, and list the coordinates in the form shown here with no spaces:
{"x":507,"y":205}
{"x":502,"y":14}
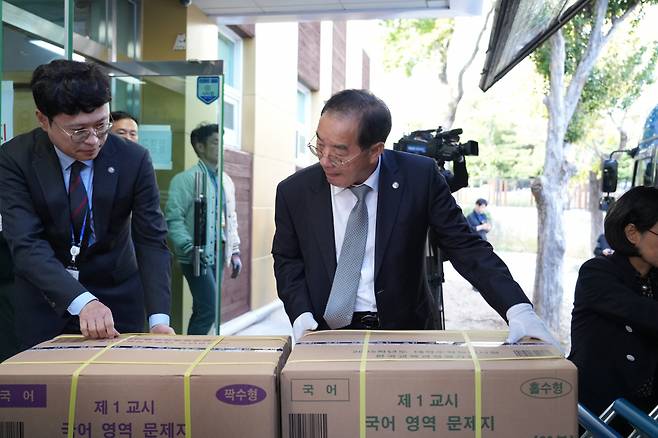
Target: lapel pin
{"x":110,"y":169}
{"x":395,"y":185}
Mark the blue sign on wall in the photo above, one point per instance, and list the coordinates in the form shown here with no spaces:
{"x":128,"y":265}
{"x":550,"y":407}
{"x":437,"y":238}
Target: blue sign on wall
{"x":207,"y":89}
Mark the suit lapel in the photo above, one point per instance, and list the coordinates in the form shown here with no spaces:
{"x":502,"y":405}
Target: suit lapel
{"x":321,"y":220}
{"x":391,"y":187}
{"x":106,"y":174}
{"x":49,"y":174}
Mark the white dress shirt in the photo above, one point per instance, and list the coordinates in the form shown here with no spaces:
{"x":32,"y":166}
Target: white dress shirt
{"x":342,"y":203}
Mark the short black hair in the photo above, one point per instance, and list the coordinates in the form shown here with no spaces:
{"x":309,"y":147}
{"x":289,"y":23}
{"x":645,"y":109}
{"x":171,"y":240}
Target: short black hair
{"x":374,"y":115}
{"x":638,"y":206}
{"x":69,"y":87}
{"x":120,"y":115}
{"x":481,"y":201}
{"x":201,"y":133}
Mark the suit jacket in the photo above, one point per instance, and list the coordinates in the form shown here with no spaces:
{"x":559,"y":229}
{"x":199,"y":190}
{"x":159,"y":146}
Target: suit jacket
{"x":412,"y":197}
{"x":614,"y":333}
{"x":127,"y":267}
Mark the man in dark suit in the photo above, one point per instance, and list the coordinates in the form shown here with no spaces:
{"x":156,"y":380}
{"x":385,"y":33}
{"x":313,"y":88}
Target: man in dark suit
{"x":80,"y":211}
{"x":406,"y":196}
{"x":8,"y":341}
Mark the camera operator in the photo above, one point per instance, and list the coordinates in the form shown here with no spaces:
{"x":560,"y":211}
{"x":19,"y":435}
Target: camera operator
{"x":350,"y":232}
{"x":458,"y":177}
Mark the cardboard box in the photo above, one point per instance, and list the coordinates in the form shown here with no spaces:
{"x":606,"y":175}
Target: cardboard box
{"x":144,"y":386}
{"x":362,"y":384}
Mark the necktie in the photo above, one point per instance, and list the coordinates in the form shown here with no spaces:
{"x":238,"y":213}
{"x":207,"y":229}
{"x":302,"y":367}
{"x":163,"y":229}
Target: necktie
{"x":340,"y":305}
{"x":78,"y":202}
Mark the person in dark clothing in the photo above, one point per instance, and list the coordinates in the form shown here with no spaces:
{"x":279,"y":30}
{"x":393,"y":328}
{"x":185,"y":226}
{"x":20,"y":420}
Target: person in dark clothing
{"x":8,"y":340}
{"x":614,"y":326}
{"x":81,"y":214}
{"x":478,"y":220}
{"x":602,"y":246}
{"x":351,"y":232}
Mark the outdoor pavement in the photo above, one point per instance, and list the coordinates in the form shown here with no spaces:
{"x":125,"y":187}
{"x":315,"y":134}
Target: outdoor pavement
{"x":276,"y":323}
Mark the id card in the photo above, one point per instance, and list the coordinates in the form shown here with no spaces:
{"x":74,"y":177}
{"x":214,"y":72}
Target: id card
{"x":74,"y":272}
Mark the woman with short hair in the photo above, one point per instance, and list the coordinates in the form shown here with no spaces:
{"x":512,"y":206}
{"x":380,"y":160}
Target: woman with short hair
{"x":614,"y":326}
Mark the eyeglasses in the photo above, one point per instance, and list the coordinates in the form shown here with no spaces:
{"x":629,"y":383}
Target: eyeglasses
{"x":334,"y":160}
{"x":80,"y":135}
{"x":653,"y":232}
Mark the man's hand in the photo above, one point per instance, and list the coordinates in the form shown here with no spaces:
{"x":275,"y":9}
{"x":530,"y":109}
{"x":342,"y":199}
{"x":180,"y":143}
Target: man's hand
{"x":96,"y":321}
{"x":304,"y":324}
{"x":523,"y":321}
{"x":485,"y":226}
{"x":236,"y":265}
{"x":162,"y":329}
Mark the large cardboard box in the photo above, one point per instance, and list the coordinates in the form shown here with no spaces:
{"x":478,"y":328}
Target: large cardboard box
{"x":362,"y":384}
{"x":144,"y":386}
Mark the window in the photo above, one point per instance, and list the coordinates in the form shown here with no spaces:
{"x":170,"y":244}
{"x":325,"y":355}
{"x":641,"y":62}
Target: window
{"x":303,"y":124}
{"x":230,"y":51}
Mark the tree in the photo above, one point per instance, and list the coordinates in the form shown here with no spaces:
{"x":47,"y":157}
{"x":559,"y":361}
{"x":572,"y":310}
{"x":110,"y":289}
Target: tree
{"x":567,"y":68}
{"x":411,"y":42}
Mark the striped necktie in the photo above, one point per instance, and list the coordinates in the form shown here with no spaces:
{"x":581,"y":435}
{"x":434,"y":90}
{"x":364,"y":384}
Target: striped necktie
{"x":78,"y":201}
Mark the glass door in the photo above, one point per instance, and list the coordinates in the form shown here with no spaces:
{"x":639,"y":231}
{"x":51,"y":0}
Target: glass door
{"x":173,"y":102}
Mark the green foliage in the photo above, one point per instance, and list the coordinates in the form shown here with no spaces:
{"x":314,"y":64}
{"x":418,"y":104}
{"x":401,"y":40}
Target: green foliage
{"x":619,"y":76}
{"x":502,"y":156}
{"x":577,"y":32}
{"x":411,"y":42}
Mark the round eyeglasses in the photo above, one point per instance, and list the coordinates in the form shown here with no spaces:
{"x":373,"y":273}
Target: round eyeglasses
{"x":80,"y":135}
{"x":334,"y":160}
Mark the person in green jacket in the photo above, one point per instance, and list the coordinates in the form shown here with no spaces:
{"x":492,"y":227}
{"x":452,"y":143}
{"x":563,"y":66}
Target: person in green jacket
{"x":179,"y":213}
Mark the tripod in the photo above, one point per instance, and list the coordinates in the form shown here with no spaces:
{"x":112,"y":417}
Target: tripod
{"x":433,"y":261}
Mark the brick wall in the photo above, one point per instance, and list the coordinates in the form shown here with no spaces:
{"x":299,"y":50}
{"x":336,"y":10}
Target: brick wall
{"x":308,"y":55}
{"x":339,"y":49}
{"x":244,"y":30}
{"x":236,"y":292}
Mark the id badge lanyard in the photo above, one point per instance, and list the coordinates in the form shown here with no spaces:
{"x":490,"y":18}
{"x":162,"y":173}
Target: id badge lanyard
{"x":76,"y":245}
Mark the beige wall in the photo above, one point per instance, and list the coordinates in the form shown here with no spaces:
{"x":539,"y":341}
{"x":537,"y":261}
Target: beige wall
{"x":274,"y":103}
{"x":162,"y":20}
{"x":269,"y":109}
{"x":202,"y":44}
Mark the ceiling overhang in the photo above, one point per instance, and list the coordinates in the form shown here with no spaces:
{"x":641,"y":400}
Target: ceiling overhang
{"x":257,"y":11}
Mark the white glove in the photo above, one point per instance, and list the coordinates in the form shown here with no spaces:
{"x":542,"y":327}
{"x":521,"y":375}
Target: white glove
{"x":303,"y":324}
{"x":523,"y":321}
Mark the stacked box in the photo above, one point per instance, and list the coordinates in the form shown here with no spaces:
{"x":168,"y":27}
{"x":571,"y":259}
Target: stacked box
{"x":144,"y":386}
{"x":426,"y":384}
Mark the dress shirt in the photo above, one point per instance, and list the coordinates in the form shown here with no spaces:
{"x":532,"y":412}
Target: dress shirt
{"x":342,"y":202}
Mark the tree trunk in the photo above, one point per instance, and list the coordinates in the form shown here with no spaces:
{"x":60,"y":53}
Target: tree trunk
{"x":596,"y":215}
{"x":561,"y":103}
{"x":548,"y":191}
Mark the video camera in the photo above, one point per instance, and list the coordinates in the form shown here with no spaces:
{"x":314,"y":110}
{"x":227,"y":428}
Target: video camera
{"x":437,"y":144}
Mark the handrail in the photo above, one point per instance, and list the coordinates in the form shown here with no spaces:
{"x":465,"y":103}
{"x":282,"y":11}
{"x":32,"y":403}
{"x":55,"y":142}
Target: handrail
{"x":594,"y":424}
{"x":636,"y":417}
{"x":653,"y":414}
